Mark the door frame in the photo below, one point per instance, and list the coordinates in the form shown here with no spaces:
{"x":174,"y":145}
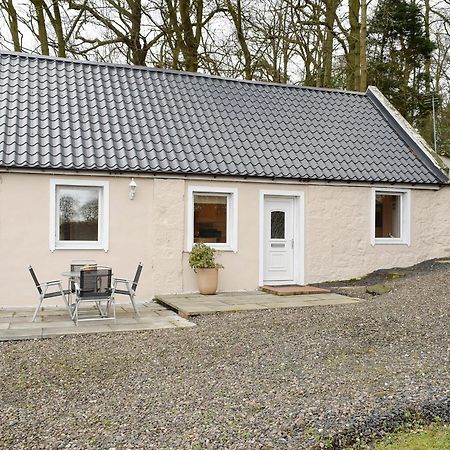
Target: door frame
{"x":299,"y":233}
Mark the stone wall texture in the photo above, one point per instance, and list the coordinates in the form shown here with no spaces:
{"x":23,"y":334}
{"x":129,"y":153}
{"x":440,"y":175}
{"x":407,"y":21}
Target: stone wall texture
{"x":152,"y":229}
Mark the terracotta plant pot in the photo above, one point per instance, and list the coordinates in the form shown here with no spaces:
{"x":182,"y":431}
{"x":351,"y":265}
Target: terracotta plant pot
{"x":207,"y":281}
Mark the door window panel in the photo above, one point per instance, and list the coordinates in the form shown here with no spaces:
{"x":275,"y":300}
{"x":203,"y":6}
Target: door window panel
{"x":277,"y":225}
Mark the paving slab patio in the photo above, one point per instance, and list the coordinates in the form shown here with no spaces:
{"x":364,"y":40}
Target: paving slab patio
{"x":16,"y":324}
{"x":187,"y":305}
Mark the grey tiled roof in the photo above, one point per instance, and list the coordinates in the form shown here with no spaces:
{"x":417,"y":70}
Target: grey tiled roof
{"x":61,"y":114}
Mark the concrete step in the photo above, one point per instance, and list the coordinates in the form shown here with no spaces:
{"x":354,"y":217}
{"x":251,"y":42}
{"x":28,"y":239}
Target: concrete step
{"x":293,"y":289}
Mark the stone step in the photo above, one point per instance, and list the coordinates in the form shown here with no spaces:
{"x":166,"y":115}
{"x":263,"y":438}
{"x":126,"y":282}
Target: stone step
{"x":293,"y":289}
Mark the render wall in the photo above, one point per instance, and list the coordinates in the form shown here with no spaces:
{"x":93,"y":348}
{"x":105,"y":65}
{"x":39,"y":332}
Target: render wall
{"x":151,"y":228}
{"x":336,"y":236}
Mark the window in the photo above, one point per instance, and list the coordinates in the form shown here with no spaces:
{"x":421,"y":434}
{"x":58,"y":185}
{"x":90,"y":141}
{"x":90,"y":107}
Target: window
{"x":387,"y":215}
{"x":212,"y":217}
{"x":391,"y":216}
{"x":79,"y":215}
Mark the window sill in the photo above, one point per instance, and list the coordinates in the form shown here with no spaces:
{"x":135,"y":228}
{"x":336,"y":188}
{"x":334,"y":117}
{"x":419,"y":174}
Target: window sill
{"x":390,"y":242}
{"x":80,"y":247}
{"x":226,"y":249}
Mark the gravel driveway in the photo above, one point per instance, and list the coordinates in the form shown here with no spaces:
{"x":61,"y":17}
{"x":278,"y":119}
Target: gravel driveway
{"x":270,"y":379}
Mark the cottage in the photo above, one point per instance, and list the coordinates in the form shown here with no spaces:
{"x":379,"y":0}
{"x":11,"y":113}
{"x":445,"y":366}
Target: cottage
{"x":124,"y":164}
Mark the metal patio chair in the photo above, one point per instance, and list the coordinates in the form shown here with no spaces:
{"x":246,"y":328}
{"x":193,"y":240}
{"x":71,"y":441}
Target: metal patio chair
{"x":42,"y":289}
{"x":95,"y":287}
{"x":129,"y":287}
{"x":75,"y":266}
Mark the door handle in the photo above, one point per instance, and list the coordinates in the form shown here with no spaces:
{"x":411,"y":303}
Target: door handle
{"x":292,"y":243}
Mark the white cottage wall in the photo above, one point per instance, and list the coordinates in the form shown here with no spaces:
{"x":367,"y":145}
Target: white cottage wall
{"x":152,"y":229}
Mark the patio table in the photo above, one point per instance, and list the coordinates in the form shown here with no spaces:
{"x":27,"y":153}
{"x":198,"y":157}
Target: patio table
{"x":72,"y":276}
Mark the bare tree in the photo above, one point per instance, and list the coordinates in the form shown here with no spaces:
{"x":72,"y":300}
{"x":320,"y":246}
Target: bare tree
{"x":309,"y":30}
{"x":275,"y":27}
{"x":9,"y":13}
{"x":187,"y":20}
{"x":319,"y":43}
{"x":123,"y":22}
{"x":63,"y":32}
{"x":236,"y":13}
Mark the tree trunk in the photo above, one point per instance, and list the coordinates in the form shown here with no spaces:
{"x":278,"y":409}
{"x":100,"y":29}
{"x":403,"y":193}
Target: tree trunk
{"x":363,"y":46}
{"x":57,"y":26}
{"x":427,"y":128}
{"x":42,"y":30}
{"x":138,"y":53}
{"x":236,"y":16}
{"x":353,"y":56}
{"x":11,"y":17}
{"x":327,"y":61}
{"x":190,"y":48}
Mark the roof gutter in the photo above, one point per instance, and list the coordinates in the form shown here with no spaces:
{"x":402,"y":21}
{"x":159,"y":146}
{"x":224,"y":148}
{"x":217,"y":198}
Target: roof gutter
{"x":411,"y":137}
{"x":217,"y":178}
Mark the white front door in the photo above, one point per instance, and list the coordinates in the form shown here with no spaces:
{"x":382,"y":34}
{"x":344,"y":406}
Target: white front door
{"x":279,"y":240}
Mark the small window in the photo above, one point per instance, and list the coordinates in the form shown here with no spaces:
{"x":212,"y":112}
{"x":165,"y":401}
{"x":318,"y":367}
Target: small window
{"x":212,"y":217}
{"x":391,"y":217}
{"x":79,"y":215}
{"x":277,"y":225}
{"x":388,"y":216}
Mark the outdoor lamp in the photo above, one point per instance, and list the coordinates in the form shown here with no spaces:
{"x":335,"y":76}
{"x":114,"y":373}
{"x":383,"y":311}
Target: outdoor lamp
{"x":132,"y":189}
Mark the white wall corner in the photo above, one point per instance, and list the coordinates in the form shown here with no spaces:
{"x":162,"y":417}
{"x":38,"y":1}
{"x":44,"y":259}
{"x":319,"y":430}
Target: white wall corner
{"x":52,"y":224}
{"x":372,"y":216}
{"x":105,"y":218}
{"x":407,"y":211}
{"x":410,"y":130}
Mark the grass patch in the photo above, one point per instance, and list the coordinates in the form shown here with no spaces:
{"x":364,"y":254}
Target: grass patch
{"x":433,"y":437}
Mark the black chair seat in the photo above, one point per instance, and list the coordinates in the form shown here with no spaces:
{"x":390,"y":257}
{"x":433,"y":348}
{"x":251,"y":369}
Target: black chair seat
{"x":120,"y":291}
{"x":56,"y":294}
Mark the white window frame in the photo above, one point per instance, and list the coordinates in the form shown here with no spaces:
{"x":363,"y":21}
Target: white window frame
{"x":405,"y":216}
{"x":232,"y":216}
{"x":103,"y":213}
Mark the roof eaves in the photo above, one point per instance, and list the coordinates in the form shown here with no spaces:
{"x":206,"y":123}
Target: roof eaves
{"x":202,"y":174}
{"x":407,"y":133}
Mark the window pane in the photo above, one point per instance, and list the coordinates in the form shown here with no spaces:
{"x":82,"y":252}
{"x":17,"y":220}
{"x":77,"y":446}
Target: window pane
{"x":277,"y":225}
{"x":210,"y":218}
{"x":78,"y":213}
{"x":387,"y":216}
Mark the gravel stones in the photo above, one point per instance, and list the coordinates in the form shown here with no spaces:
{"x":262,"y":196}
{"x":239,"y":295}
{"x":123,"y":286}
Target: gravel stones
{"x":284,"y":379}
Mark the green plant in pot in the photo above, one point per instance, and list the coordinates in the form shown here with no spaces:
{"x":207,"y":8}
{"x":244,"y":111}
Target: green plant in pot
{"x":203,"y":260}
